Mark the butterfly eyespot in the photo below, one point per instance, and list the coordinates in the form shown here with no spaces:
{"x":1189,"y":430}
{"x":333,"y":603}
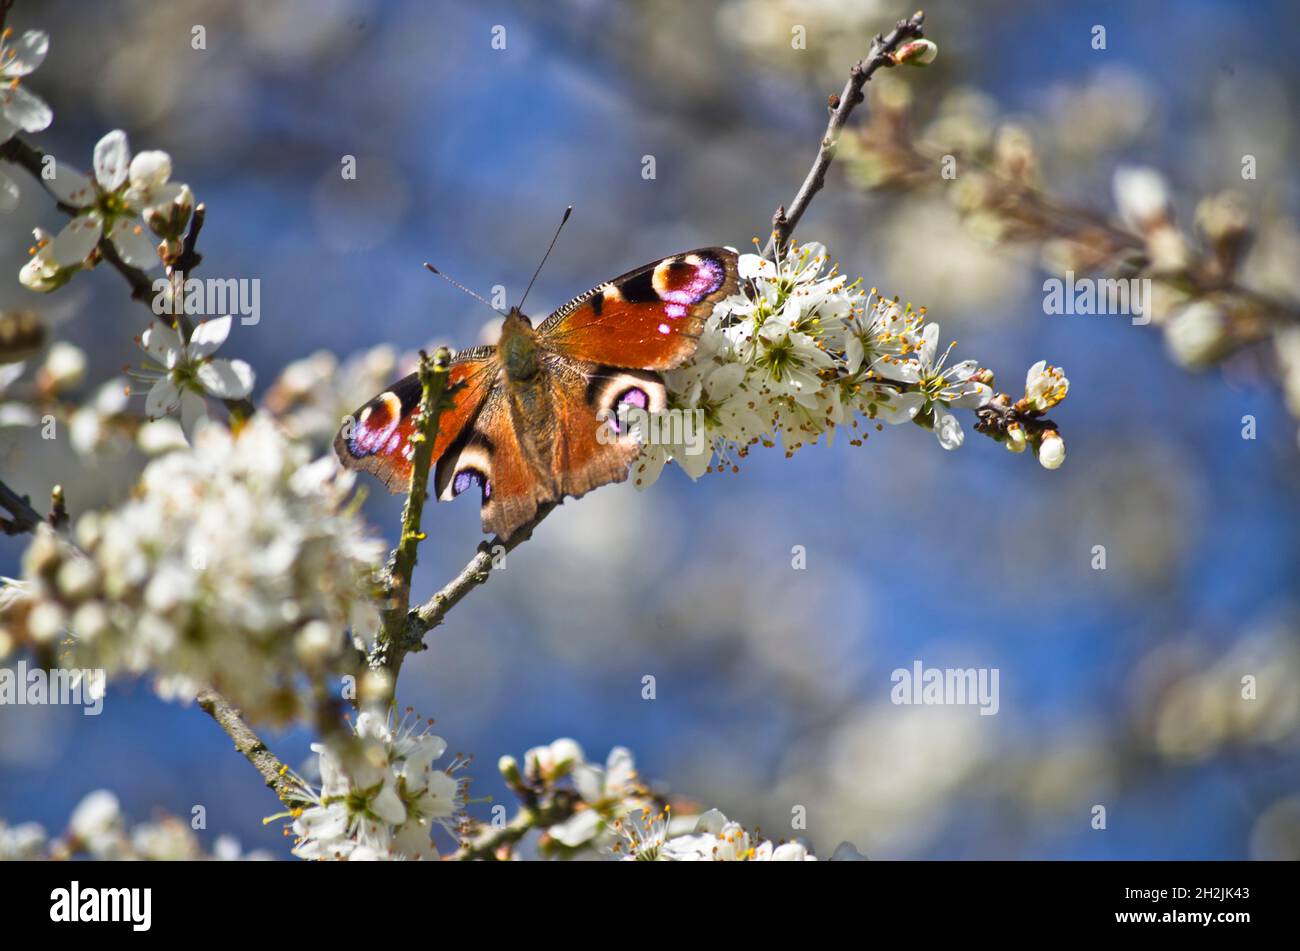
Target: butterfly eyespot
{"x":469,"y":477}
{"x":633,"y":396}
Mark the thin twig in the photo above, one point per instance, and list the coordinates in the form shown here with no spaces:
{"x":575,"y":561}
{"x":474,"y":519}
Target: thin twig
{"x":430,"y":614}
{"x":23,"y":518}
{"x":548,"y":811}
{"x":390,"y":645}
{"x":841,"y":106}
{"x":274,"y":773}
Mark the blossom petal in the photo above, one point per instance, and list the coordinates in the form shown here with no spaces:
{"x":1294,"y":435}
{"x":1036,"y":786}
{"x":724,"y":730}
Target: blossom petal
{"x":163,"y":344}
{"x":577,"y":829}
{"x":150,"y":169}
{"x":194,"y":411}
{"x":163,"y":399}
{"x":70,"y":186}
{"x":948,"y":428}
{"x":77,"y":239}
{"x":112,"y":160}
{"x":226,"y":379}
{"x":8,"y":193}
{"x":26,"y":54}
{"x":132,"y":244}
{"x":25,"y":109}
{"x":207,"y":337}
{"x":388,"y":805}
{"x":901,"y":408}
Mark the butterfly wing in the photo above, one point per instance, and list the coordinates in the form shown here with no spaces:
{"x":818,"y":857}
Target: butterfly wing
{"x":519,"y":458}
{"x":378,"y":439}
{"x":607,"y":347}
{"x":648,"y":319}
{"x":491,"y":456}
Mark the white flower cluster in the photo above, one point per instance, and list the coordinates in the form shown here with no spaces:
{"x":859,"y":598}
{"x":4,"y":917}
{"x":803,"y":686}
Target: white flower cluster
{"x":799,"y":351}
{"x":125,"y":196}
{"x":616,"y":816}
{"x":236,"y":565}
{"x":19,"y":108}
{"x":713,"y":838}
{"x":380,"y":796}
{"x":98,"y":830}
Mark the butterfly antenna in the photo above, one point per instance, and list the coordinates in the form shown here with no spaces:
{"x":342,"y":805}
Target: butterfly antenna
{"x":459,"y":286}
{"x":567,"y":211}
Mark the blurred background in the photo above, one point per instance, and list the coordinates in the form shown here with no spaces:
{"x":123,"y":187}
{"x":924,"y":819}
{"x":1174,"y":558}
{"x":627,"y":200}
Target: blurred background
{"x":1119,"y":687}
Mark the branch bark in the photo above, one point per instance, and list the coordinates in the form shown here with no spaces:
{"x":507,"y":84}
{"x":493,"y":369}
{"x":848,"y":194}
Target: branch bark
{"x":785,"y":220}
{"x":273,"y":772}
{"x":23,"y":518}
{"x":391,"y":643}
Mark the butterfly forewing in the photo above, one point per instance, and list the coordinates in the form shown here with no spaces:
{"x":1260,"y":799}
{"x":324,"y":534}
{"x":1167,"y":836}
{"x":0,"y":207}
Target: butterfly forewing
{"x":378,"y":437}
{"x":648,"y":319}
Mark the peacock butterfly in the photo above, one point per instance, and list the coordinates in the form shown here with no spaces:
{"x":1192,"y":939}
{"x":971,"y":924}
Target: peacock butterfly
{"x":523,"y":422}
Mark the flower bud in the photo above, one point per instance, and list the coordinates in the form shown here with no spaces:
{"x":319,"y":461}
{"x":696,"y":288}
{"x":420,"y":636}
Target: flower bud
{"x":508,"y":767}
{"x":64,"y":368}
{"x":316,"y":643}
{"x":46,"y":622}
{"x":1195,"y":335}
{"x":1051,"y":452}
{"x":1141,"y":196}
{"x":920,"y":52}
{"x":1016,"y":440}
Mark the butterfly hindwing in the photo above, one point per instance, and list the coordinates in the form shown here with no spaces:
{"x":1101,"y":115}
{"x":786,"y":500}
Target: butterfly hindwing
{"x":378,"y":440}
{"x":490,"y":456}
{"x":648,"y":319}
{"x":573,"y":447}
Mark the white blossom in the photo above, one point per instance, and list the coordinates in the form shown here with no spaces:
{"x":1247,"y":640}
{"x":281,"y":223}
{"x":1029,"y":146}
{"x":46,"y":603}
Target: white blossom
{"x":20,"y":109}
{"x":380,"y":796}
{"x":112,"y":203}
{"x":185,"y":372}
{"x":799,"y":352}
{"x":206,"y":576}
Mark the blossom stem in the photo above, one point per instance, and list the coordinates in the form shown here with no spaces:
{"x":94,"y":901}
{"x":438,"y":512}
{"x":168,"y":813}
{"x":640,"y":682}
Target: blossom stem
{"x":785,"y":220}
{"x":547,"y":811}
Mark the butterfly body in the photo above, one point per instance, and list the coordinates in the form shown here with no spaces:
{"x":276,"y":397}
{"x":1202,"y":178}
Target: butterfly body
{"x":524,"y":425}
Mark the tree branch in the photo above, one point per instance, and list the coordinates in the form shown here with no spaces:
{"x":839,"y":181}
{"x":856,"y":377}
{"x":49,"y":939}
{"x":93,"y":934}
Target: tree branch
{"x":23,"y":518}
{"x":841,"y":106}
{"x":273,"y":772}
{"x":476,"y":571}
{"x":391,"y":644}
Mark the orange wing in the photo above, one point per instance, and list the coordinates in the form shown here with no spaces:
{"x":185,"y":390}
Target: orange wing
{"x":378,"y":439}
{"x":648,"y":319}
